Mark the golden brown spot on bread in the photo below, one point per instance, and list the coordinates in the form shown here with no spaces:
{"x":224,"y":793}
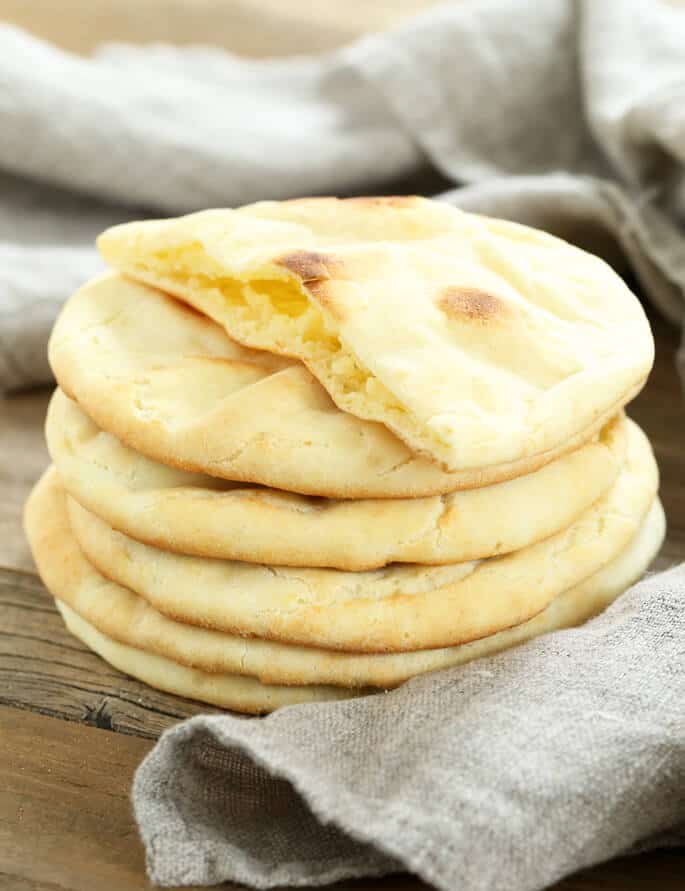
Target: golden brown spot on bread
{"x":308,"y":266}
{"x":471,"y":303}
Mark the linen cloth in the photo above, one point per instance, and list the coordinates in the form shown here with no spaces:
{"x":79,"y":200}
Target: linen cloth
{"x":509,"y":772}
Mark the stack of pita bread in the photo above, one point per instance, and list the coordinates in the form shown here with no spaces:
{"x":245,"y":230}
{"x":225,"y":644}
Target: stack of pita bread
{"x":307,"y":450}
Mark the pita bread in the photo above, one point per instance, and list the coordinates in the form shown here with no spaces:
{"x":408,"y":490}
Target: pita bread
{"x":238,"y":693}
{"x":477,"y":341}
{"x":398,"y":608}
{"x":122,"y":616}
{"x":194,"y":514}
{"x":170,"y":384}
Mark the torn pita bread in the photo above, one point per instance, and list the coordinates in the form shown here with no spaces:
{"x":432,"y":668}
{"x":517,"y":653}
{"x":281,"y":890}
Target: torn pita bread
{"x":479,"y":342}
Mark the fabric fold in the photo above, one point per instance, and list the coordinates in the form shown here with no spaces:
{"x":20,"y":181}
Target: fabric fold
{"x":510,"y":771}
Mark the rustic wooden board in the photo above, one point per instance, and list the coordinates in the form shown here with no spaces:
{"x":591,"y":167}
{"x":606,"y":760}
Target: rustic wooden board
{"x":65,"y":818}
{"x":46,"y":670}
{"x":23,"y":456}
{"x":66,"y":821}
{"x":660,"y":411}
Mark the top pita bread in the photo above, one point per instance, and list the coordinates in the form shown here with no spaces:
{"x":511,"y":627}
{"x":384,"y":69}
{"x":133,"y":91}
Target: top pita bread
{"x":171,"y":384}
{"x":478,"y":341}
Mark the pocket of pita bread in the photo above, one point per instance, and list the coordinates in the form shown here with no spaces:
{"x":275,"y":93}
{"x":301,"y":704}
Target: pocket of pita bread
{"x":169,"y":382}
{"x":477,"y":341}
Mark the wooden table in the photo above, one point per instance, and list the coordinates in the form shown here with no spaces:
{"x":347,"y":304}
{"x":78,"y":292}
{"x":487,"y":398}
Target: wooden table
{"x":72,"y":729}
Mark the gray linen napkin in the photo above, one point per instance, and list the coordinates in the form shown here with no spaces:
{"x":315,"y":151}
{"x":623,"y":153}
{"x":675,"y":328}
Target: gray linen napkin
{"x":569,"y":115}
{"x":508,"y":772}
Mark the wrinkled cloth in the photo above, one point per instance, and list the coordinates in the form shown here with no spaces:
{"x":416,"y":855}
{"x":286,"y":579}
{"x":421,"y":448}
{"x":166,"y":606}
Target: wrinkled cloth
{"x":508,"y":772}
{"x":566,"y":115}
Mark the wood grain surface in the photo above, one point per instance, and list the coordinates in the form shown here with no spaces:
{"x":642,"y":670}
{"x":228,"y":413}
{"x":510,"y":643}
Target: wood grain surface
{"x":66,"y":821}
{"x":44,"y":669}
{"x":23,"y":457}
{"x":65,"y":818}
